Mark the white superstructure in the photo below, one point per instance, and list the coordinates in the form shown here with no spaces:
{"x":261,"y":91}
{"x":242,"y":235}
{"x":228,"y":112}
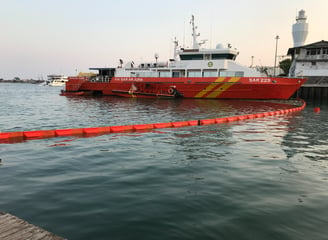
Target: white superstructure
{"x":192,"y":62}
{"x":300,"y":29}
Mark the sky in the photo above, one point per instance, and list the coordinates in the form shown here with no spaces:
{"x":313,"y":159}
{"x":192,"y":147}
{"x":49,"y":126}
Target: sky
{"x":43,"y":37}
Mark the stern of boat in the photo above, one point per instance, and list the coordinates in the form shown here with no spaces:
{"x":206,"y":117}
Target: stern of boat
{"x":73,"y":86}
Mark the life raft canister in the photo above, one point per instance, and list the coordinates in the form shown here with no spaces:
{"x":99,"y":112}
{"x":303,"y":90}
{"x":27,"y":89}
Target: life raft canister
{"x":171,"y":90}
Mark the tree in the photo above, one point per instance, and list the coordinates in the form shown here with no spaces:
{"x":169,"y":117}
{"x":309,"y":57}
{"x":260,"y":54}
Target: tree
{"x":285,"y":65}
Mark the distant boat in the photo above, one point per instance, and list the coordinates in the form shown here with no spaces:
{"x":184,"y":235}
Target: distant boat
{"x":57,"y":80}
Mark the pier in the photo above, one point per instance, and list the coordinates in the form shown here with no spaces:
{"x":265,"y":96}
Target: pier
{"x":313,"y":92}
{"x":14,"y":228}
{"x":315,"y":88}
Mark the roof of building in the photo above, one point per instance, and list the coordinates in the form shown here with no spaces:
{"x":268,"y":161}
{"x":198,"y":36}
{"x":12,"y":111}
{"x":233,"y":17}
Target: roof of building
{"x":320,"y":44}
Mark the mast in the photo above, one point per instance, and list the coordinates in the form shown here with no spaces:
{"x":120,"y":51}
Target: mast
{"x":195,"y":44}
{"x":176,"y":45}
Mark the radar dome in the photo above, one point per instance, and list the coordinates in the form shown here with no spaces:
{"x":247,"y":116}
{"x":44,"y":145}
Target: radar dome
{"x":219,"y":46}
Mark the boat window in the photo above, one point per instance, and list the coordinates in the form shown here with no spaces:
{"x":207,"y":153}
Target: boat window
{"x":231,"y":74}
{"x":175,"y":74}
{"x":194,"y":73}
{"x":207,"y":57}
{"x":100,"y":79}
{"x":147,"y":74}
{"x":223,"y":56}
{"x":239,"y":74}
{"x":227,"y":74}
{"x":164,"y":74}
{"x":210,"y":73}
{"x":191,"y":57}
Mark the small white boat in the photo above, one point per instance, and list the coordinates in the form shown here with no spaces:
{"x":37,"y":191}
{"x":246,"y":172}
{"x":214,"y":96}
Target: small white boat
{"x":57,"y":80}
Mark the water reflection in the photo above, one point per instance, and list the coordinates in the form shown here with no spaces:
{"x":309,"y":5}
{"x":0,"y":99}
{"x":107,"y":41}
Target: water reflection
{"x":307,"y":135}
{"x":197,"y":182}
{"x":112,"y":110}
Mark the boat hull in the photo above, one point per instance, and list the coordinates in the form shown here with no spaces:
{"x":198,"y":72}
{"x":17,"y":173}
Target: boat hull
{"x":211,"y":88}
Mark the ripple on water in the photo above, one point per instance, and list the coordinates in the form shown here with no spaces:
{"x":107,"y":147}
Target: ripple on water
{"x":199,"y":182}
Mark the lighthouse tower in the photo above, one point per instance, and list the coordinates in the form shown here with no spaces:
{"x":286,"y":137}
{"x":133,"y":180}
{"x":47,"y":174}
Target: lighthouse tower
{"x":300,"y":29}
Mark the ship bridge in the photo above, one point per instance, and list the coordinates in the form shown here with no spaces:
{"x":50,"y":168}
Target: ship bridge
{"x":219,"y":53}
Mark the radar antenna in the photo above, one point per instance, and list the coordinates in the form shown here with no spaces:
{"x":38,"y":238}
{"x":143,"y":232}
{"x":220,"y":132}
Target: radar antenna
{"x":176,"y":45}
{"x":202,"y":42}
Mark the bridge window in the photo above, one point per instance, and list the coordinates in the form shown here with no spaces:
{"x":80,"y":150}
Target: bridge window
{"x":191,"y":57}
{"x":223,"y":56}
{"x":207,"y":57}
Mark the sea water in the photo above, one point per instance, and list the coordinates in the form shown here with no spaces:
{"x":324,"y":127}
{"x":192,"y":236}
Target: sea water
{"x":256,"y":179}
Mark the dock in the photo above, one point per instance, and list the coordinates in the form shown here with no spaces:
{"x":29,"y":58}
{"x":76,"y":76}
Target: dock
{"x":315,"y":88}
{"x":313,"y":92}
{"x":14,"y":228}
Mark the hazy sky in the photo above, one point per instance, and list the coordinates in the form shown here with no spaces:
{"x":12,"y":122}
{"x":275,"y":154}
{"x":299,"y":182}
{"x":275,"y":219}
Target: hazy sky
{"x":42,"y":37}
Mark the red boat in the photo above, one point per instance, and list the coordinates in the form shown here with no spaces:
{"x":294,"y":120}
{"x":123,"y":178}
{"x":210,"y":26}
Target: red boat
{"x":192,"y":73}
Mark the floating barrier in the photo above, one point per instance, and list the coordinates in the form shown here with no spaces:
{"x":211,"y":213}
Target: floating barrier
{"x":14,"y":137}
{"x":163,"y":125}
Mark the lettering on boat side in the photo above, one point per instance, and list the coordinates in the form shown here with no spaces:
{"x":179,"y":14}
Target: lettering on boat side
{"x":260,"y":80}
{"x":132,"y":79}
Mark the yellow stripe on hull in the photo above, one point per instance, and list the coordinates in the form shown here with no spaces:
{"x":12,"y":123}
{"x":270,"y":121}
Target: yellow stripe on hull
{"x":223,"y":88}
{"x":211,"y":88}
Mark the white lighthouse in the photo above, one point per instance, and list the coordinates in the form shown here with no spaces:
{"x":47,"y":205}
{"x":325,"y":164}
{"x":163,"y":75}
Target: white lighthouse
{"x":300,"y":29}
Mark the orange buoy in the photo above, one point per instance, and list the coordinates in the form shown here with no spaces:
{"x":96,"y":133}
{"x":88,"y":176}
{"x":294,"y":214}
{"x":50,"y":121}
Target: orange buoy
{"x":316,"y":110}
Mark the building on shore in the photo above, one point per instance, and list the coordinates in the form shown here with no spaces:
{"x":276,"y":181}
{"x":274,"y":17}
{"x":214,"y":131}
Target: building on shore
{"x":310,"y":60}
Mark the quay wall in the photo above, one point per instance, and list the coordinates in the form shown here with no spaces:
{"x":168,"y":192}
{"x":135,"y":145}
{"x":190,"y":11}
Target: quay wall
{"x":315,"y":88}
